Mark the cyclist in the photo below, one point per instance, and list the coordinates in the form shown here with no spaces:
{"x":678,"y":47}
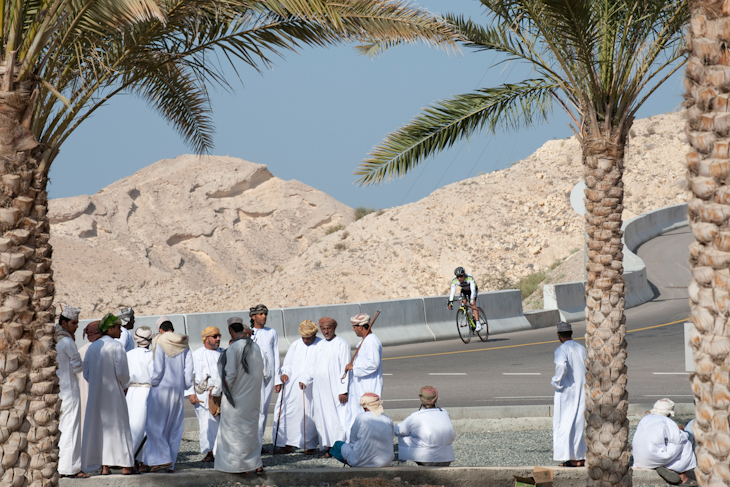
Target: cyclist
{"x":469,"y":291}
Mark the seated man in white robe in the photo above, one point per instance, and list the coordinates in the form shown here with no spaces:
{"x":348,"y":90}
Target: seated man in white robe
{"x":241,"y":369}
{"x":660,"y":444}
{"x":570,"y":399}
{"x":69,"y":422}
{"x":206,"y":379}
{"x":329,"y":392}
{"x":371,"y":437}
{"x":107,"y":439}
{"x":425,"y":436}
{"x":367,"y":368}
{"x":296,"y":419}
{"x":138,"y":390}
{"x":171,"y":376}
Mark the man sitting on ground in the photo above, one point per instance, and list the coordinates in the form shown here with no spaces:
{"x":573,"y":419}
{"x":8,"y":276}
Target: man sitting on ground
{"x":371,"y":437}
{"x":425,"y":436}
{"x":659,"y":443}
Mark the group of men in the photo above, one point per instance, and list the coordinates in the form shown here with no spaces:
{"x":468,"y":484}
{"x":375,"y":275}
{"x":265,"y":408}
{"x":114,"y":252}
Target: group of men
{"x":123,"y":406}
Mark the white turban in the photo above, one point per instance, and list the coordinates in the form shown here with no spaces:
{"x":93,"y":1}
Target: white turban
{"x":68,"y":311}
{"x":161,"y":320}
{"x":360,"y":320}
{"x":143,"y":336}
{"x":663,"y":407}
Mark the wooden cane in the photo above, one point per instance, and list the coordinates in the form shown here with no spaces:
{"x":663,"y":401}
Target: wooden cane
{"x":278,"y":421}
{"x":370,"y":330}
{"x":304,"y":421}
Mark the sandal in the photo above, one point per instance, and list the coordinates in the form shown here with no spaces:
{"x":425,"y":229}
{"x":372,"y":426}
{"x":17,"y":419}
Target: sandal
{"x":208,"y":458}
{"x":159,"y":468}
{"x":670,"y":476}
{"x":80,"y":475}
{"x":260,"y":471}
{"x":568,"y":463}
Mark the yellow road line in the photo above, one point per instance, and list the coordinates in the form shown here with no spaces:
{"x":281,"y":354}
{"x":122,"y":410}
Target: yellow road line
{"x":522,"y":344}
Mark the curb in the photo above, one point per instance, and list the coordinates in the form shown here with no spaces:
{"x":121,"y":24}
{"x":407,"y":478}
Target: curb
{"x":448,"y":476}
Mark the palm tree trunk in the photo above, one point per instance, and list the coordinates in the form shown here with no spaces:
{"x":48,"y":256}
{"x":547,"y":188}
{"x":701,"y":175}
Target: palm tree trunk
{"x":29,"y":404}
{"x":607,"y":426}
{"x":708,"y":167}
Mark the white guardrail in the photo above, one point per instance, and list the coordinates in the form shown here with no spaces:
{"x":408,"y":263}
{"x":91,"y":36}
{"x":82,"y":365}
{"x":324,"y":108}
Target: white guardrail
{"x":426,"y":319}
{"x":569,"y":298}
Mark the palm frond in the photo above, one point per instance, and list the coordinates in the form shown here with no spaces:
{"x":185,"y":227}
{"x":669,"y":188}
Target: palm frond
{"x":440,"y":126}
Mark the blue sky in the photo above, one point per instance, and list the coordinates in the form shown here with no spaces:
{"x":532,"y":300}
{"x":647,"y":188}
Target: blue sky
{"x":317,"y":114}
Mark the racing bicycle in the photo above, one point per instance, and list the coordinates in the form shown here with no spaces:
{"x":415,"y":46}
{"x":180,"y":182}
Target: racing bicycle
{"x":465,"y":323}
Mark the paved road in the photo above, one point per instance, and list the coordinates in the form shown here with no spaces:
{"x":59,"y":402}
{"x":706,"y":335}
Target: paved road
{"x":515,"y":368}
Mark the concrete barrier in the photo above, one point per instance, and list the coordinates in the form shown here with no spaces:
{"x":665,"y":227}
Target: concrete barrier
{"x":504,"y":311}
{"x":543,"y":318}
{"x":440,"y":320}
{"x":401,"y":321}
{"x":341,"y":313}
{"x":569,"y":297}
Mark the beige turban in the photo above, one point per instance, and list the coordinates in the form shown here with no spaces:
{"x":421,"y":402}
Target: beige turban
{"x":372,"y":402}
{"x":428,"y":395}
{"x":210,"y":331}
{"x":326,"y":321}
{"x":161,"y":320}
{"x":361,"y":319}
{"x":308,"y":328}
{"x":663,"y":407}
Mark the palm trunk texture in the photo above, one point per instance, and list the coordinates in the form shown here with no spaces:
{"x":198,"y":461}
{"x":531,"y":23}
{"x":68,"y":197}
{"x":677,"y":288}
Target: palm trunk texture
{"x":708,"y":126}
{"x":607,"y":425}
{"x":29,"y":404}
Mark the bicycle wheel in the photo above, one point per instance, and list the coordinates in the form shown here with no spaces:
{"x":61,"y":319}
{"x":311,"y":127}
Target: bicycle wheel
{"x":484,"y":333}
{"x":463,"y":326}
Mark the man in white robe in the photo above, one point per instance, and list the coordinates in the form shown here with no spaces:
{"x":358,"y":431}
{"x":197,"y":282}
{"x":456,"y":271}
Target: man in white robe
{"x":660,"y":444}
{"x":329,"y":392}
{"x":91,"y":332}
{"x":425,"y":436}
{"x":138,"y":389}
{"x":126,"y":339}
{"x":569,"y":401}
{"x":295,"y":427}
{"x":371,"y":438}
{"x":237,"y":447}
{"x":206,"y":379}
{"x":69,"y":423}
{"x":268,"y":340}
{"x":172,"y":374}
{"x":367,"y":369}
{"x":107,"y":439}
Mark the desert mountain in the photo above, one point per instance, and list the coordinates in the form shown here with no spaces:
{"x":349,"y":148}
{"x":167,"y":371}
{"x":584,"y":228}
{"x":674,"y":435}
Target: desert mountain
{"x":210,"y":234}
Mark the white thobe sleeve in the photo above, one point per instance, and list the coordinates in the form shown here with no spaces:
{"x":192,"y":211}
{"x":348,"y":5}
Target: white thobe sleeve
{"x":676,"y":439}
{"x":277,"y":359}
{"x":367,"y":361}
{"x":354,"y":430}
{"x":403,"y":428}
{"x":86,"y":369}
{"x":121,"y":366}
{"x":343,"y":358}
{"x":188,"y":368}
{"x":191,"y":390}
{"x":267,"y":368}
{"x":561,"y":368}
{"x":74,"y":359}
{"x":158,"y":369}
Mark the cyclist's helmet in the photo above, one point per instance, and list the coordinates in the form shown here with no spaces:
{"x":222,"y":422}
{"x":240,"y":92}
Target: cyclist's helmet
{"x":459,"y":272}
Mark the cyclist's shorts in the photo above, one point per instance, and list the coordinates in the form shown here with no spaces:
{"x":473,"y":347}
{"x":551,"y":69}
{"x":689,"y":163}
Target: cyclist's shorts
{"x":468,"y":296}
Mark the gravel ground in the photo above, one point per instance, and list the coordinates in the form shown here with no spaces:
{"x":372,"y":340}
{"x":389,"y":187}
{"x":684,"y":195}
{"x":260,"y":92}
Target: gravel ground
{"x":483,"y":443}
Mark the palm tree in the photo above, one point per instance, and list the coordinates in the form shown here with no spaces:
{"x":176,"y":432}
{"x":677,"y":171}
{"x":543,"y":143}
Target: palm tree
{"x":707,"y":165}
{"x":60,"y":61}
{"x":598,"y":60}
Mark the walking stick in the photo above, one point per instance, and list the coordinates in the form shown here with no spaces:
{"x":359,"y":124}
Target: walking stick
{"x":370,"y":330}
{"x":304,"y":420}
{"x":278,"y":421}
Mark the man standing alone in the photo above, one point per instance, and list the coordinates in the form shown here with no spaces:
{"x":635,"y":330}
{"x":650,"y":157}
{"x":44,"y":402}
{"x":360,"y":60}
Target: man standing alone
{"x":268,"y":340}
{"x":570,"y":400}
{"x":329,"y":393}
{"x":206,"y":378}
{"x":69,"y":423}
{"x":367,"y":369}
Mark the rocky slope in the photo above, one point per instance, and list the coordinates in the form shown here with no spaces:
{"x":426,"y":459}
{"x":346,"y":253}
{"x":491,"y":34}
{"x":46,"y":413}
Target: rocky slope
{"x":180,"y":236}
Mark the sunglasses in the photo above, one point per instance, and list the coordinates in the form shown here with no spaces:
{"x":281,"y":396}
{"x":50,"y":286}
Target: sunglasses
{"x":215,"y":336}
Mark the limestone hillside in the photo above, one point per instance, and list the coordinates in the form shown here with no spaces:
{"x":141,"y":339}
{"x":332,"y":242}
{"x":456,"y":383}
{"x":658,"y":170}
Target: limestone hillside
{"x":192,"y":234}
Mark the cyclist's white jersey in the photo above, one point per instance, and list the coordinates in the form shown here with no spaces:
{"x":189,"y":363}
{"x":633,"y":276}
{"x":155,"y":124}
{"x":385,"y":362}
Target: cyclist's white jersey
{"x":469,"y":283}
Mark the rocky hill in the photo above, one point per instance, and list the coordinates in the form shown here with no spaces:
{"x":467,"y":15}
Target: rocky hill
{"x":193,"y":234}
